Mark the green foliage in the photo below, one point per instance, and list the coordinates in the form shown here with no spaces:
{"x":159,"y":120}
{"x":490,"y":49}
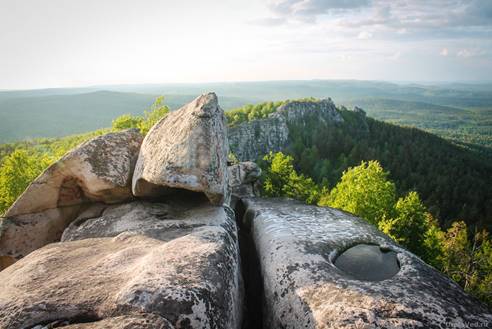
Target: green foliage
{"x":451,"y":181}
{"x":469,"y":261}
{"x":232,"y":158}
{"x":409,"y":225}
{"x":280,"y":179}
{"x":432,"y":249}
{"x":464,"y":125}
{"x":156,"y":112}
{"x":365,"y":191}
{"x":126,"y":121}
{"x":23,"y":162}
{"x":151,"y":116}
{"x":251,"y":112}
{"x":17,"y":171}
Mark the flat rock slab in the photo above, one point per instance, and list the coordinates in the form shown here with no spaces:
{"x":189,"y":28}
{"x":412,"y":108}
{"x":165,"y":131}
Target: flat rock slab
{"x":162,"y":221}
{"x":141,"y":321}
{"x":190,"y":281}
{"x":297,"y":246}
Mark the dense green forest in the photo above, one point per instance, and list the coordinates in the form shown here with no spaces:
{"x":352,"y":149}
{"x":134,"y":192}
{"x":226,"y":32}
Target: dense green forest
{"x":462,"y":125}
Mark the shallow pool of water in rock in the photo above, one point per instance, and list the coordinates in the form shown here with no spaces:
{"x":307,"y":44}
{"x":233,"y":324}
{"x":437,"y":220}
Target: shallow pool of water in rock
{"x":368,"y":262}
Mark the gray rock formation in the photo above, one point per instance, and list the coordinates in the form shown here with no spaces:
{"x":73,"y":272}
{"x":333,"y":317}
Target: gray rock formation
{"x":141,"y":321}
{"x":298,"y":246}
{"x":299,"y":111}
{"x":242,"y":180}
{"x":162,"y":221}
{"x":188,"y":150}
{"x":97,"y":170}
{"x":189,"y":279}
{"x":249,"y":140}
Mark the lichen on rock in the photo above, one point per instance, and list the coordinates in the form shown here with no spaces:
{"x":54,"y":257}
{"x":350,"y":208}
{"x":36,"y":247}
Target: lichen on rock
{"x":98,"y":170}
{"x":188,"y":150}
{"x":297,"y":245}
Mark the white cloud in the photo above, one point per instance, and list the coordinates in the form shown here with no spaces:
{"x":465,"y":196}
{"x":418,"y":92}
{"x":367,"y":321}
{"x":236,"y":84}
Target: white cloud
{"x":444,"y":52}
{"x":466,"y":53}
{"x":364,"y":35}
{"x":396,"y":56}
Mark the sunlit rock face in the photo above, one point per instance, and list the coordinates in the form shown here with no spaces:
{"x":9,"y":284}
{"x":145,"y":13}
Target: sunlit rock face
{"x":249,"y":140}
{"x":313,"y":278}
{"x":176,"y":262}
{"x":188,"y":150}
{"x":99,"y":170}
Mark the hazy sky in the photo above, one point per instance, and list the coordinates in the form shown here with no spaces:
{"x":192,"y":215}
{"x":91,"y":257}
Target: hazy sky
{"x":50,"y":43}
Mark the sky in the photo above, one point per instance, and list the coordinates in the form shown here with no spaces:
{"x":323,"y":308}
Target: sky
{"x":67,"y":43}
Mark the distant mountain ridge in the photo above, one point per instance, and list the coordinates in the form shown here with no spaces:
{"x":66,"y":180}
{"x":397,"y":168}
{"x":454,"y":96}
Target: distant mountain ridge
{"x":464,"y":110}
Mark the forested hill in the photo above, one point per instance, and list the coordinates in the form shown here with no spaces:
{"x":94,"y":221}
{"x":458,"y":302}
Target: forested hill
{"x":454,"y":182}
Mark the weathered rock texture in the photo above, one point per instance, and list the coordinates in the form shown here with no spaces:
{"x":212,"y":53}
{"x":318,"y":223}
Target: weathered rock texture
{"x":186,"y":279}
{"x":242,"y":179}
{"x":141,"y":321}
{"x":297,"y":245}
{"x":299,"y":111}
{"x":249,"y":140}
{"x":163,"y":221}
{"x":186,"y":150}
{"x":98,"y":170}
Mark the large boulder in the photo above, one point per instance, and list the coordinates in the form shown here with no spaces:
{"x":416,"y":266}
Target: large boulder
{"x":189,"y":280}
{"x":99,"y":170}
{"x":188,"y":150}
{"x":324,"y":268}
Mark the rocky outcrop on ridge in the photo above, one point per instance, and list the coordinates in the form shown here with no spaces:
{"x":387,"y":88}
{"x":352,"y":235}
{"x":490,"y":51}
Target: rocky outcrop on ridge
{"x":249,"y":140}
{"x":299,"y":111}
{"x":187,"y":149}
{"x":99,"y":170}
{"x":305,"y":287}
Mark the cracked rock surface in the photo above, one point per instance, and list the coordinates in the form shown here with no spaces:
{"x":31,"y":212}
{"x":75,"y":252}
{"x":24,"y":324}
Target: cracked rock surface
{"x":191,"y":280}
{"x":296,"y":247}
